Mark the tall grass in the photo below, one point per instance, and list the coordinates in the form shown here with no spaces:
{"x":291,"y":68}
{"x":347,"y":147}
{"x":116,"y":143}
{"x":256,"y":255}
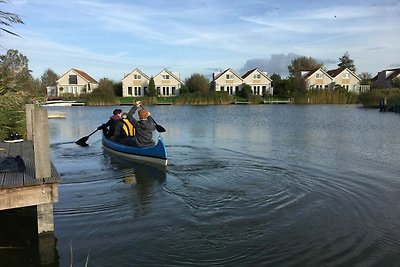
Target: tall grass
{"x":101,"y":100}
{"x":326,"y":97}
{"x":213,"y":98}
{"x":372,"y":98}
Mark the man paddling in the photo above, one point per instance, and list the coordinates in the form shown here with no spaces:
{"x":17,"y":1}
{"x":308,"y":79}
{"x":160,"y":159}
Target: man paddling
{"x":144,"y":126}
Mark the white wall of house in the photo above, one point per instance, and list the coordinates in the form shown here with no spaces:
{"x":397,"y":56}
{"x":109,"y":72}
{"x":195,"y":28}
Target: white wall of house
{"x":73,"y":83}
{"x":348,"y":80}
{"x":167,"y":83}
{"x":228,"y":81}
{"x":135,"y":84}
{"x":259,"y":82}
{"x":319,"y":80}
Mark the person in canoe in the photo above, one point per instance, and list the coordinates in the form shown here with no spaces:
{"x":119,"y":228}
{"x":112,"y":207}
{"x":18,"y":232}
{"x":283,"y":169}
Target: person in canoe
{"x":144,"y":127}
{"x":113,"y":125}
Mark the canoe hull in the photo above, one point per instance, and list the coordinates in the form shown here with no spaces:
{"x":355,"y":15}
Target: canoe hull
{"x":155,"y":154}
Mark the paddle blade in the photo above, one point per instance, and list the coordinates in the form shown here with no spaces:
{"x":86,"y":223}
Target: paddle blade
{"x":160,"y":129}
{"x":82,"y":141}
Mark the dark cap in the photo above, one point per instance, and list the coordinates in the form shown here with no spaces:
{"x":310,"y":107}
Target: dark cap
{"x":117,"y":111}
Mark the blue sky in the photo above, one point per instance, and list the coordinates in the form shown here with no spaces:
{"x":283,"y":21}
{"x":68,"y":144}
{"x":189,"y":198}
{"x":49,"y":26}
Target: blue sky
{"x":109,"y":38}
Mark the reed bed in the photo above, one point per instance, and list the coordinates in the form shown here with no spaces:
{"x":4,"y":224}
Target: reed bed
{"x":326,"y":97}
{"x":213,"y":98}
{"x":372,"y":98}
{"x":101,"y":100}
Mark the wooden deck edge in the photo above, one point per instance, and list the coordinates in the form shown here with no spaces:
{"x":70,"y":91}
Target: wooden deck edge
{"x":11,"y":198}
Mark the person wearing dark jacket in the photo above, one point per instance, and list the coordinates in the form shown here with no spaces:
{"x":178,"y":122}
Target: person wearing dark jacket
{"x":112,"y":129}
{"x":144,"y":127}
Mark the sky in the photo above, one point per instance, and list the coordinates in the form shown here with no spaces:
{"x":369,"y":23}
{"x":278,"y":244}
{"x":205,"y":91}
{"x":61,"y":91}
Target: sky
{"x":108,"y":39}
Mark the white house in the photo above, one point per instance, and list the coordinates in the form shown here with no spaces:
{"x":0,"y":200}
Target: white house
{"x":317,"y":79}
{"x":135,"y":83}
{"x":167,"y":83}
{"x":76,"y":82}
{"x":345,"y":78}
{"x":259,"y":82}
{"x":227,"y":81}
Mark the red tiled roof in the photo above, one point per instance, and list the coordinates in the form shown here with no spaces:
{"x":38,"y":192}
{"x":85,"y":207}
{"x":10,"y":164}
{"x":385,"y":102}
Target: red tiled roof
{"x":85,"y":76}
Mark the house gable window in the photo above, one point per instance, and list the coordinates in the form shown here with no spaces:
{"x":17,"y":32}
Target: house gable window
{"x":345,"y":75}
{"x":137,"y":77}
{"x":257,"y":76}
{"x":129,"y":90}
{"x":73,"y":79}
{"x":319,"y":75}
{"x":165,"y":77}
{"x":229,"y":76}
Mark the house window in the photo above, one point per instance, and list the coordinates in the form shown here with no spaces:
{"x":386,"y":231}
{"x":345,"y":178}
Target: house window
{"x":129,"y":90}
{"x":229,"y":77}
{"x":165,"y":77}
{"x":138,"y":90}
{"x":145,"y":90}
{"x":73,"y":79}
{"x":345,"y":76}
{"x":222,"y":88}
{"x":257,"y":76}
{"x":137,"y":77}
{"x":173,"y":90}
{"x":165,"y":90}
{"x":319,"y":75}
{"x":236,"y":89}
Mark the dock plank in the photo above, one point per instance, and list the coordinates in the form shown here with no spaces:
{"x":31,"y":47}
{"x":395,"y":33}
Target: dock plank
{"x":27,"y":177}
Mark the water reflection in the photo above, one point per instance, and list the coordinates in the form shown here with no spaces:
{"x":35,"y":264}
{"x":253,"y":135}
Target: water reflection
{"x":141,"y":176}
{"x":20,"y":244}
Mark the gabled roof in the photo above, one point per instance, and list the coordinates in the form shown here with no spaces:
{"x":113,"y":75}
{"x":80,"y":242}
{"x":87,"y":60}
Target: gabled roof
{"x":138,"y":70}
{"x":170,"y":73}
{"x":225,"y":71}
{"x":335,"y":72}
{"x":394,"y":74}
{"x":311,"y":72}
{"x":255,"y":69}
{"x":81,"y":73}
{"x":85,"y":76}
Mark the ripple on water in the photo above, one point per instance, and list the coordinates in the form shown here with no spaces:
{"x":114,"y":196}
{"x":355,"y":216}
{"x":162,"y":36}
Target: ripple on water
{"x":261,"y":202}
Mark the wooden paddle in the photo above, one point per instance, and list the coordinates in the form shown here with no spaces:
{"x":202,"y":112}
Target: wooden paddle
{"x":159,"y":128}
{"x":82,"y":141}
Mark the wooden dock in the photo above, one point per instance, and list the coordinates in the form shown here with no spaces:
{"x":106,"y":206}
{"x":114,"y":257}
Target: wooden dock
{"x":276,"y":101}
{"x":37,"y":185}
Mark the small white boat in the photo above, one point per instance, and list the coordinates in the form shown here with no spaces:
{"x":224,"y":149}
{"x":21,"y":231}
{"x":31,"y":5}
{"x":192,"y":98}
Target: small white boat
{"x":62,"y":103}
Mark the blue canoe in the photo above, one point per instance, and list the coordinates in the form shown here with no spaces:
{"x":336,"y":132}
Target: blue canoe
{"x":153,"y":154}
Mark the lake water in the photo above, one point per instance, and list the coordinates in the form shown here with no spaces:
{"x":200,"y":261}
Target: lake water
{"x":263,"y":185}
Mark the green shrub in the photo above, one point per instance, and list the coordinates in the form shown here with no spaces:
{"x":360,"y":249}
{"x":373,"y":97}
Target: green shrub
{"x":372,"y":98}
{"x":12,"y":112}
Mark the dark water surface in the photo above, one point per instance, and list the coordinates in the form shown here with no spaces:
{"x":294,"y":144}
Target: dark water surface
{"x":267,"y":185}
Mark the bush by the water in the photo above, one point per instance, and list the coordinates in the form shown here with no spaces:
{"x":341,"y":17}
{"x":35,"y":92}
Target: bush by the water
{"x":372,"y":98}
{"x":12,"y":112}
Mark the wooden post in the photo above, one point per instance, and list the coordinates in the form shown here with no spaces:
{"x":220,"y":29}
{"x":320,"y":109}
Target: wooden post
{"x":29,"y":122}
{"x":41,"y":145}
{"x":41,"y":149}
